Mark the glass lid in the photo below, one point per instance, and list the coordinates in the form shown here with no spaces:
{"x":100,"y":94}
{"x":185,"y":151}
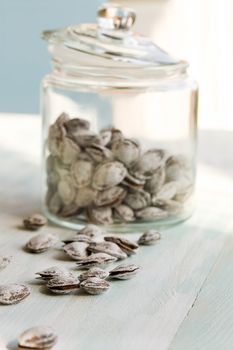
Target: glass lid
{"x":110,"y":42}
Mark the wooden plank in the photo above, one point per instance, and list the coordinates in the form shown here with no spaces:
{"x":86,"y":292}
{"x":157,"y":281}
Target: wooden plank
{"x":209,"y":325}
{"x":144,"y":312}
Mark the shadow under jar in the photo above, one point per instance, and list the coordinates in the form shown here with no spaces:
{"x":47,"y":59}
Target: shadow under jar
{"x":119,"y":128}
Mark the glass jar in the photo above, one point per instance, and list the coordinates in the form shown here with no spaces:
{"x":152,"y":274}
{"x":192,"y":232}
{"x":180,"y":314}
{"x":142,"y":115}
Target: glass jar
{"x":119,"y":128}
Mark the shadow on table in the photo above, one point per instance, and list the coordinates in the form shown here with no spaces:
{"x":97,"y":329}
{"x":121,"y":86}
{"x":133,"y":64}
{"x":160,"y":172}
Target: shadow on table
{"x":13,"y":345}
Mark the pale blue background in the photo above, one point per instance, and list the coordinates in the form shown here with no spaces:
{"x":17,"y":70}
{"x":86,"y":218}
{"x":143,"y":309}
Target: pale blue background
{"x":23,"y":55}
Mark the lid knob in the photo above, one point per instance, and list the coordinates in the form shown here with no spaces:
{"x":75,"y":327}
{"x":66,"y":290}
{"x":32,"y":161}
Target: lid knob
{"x":113,"y":16}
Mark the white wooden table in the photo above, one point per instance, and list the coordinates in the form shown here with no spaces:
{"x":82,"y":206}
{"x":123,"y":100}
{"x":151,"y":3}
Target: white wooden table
{"x":183,"y":297}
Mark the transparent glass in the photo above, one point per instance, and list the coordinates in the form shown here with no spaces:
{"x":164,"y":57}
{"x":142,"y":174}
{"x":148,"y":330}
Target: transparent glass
{"x":152,"y":158}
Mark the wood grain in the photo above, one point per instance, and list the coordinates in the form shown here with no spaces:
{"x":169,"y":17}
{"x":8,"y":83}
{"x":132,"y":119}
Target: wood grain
{"x":209,"y":325}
